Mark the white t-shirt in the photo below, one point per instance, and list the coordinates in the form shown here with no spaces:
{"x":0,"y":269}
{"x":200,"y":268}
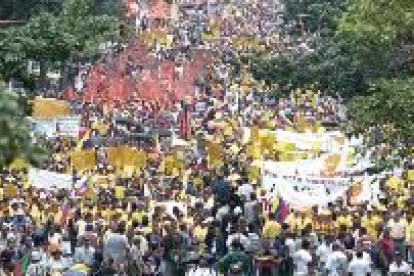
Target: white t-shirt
{"x":403,"y":268}
{"x":365,"y":256}
{"x":301,"y":259}
{"x":246,"y":190}
{"x":323,"y":252}
{"x":359,"y":267}
{"x":335,"y":263}
{"x":290,"y":243}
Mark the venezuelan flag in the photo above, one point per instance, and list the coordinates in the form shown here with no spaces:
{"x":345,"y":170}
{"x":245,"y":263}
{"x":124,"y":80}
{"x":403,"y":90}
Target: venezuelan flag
{"x":280,"y":208}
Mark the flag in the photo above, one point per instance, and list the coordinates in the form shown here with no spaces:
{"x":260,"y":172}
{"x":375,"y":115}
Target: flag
{"x":280,"y":209}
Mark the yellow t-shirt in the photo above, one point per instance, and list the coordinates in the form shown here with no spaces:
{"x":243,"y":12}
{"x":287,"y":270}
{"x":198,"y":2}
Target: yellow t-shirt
{"x":371,"y":225}
{"x":137,"y":216}
{"x":200,"y":233}
{"x":344,"y":220}
{"x":271,"y":229}
{"x":409,"y":233}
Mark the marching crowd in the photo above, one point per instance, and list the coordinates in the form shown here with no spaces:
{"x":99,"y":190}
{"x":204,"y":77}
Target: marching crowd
{"x":198,"y":217}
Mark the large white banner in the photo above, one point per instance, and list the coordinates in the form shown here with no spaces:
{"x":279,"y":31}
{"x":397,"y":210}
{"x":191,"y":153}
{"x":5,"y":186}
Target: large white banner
{"x":43,"y":179}
{"x":300,"y":167}
{"x":304,"y":192}
{"x":67,"y":126}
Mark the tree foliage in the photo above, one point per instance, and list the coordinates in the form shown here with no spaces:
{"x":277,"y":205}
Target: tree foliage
{"x":380,"y":21}
{"x":386,"y":116}
{"x":366,"y":58}
{"x":54,"y":38}
{"x":316,"y":15}
{"x":15,"y":140}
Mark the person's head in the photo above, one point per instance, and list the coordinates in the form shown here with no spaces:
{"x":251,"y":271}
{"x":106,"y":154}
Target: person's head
{"x":335,"y":247}
{"x":398,"y":258}
{"x":386,"y":233}
{"x":236,"y":245}
{"x":305,"y":244}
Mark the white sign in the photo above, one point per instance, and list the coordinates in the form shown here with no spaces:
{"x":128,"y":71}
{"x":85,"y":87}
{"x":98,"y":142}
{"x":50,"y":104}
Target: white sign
{"x":43,"y":179}
{"x":68,"y":126}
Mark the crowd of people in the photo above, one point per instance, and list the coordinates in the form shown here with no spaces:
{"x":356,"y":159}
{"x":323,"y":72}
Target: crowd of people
{"x":206,"y":212}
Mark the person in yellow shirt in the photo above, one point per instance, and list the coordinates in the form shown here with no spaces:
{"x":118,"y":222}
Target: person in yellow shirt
{"x":271,"y":228}
{"x":370,"y":222}
{"x":200,"y":231}
{"x":409,"y":235}
{"x":344,"y":220}
{"x":302,"y":221}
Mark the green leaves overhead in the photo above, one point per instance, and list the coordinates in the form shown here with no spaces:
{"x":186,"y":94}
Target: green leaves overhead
{"x":53,"y":38}
{"x":15,"y":140}
{"x":381,"y":21}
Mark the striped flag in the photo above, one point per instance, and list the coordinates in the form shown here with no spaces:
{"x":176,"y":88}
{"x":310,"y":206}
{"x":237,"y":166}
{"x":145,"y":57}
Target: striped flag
{"x":280,"y":209}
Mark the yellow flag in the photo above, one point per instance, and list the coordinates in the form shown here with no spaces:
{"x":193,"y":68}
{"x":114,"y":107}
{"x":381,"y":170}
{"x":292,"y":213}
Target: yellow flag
{"x":83,"y":160}
{"x":410,"y":175}
{"x":214,"y":153}
{"x":119,"y":192}
{"x":10,"y":191}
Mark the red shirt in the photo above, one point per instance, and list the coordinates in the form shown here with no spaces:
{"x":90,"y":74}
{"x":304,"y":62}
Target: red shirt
{"x":386,"y":245}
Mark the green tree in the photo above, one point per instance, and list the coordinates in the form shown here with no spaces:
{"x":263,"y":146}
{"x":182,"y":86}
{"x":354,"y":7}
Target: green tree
{"x":54,"y":40}
{"x":15,"y":140}
{"x":386,"y":116}
{"x":313,"y":15}
{"x":25,"y":9}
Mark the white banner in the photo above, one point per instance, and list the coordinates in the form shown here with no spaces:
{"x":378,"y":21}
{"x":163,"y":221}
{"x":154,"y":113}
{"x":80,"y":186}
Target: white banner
{"x":43,"y":179}
{"x":44,"y":127}
{"x":300,"y":167}
{"x":304,"y":192}
{"x":306,"y":141}
{"x":67,"y":126}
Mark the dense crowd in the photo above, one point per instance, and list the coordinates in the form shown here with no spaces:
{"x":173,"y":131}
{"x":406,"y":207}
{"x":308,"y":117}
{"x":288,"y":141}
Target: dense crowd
{"x":197,"y":217}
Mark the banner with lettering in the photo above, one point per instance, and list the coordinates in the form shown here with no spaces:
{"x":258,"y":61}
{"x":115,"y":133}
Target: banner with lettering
{"x":304,"y":192}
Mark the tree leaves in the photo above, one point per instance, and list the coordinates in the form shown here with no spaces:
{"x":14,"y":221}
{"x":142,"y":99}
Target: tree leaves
{"x":386,"y":115}
{"x":15,"y":140}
